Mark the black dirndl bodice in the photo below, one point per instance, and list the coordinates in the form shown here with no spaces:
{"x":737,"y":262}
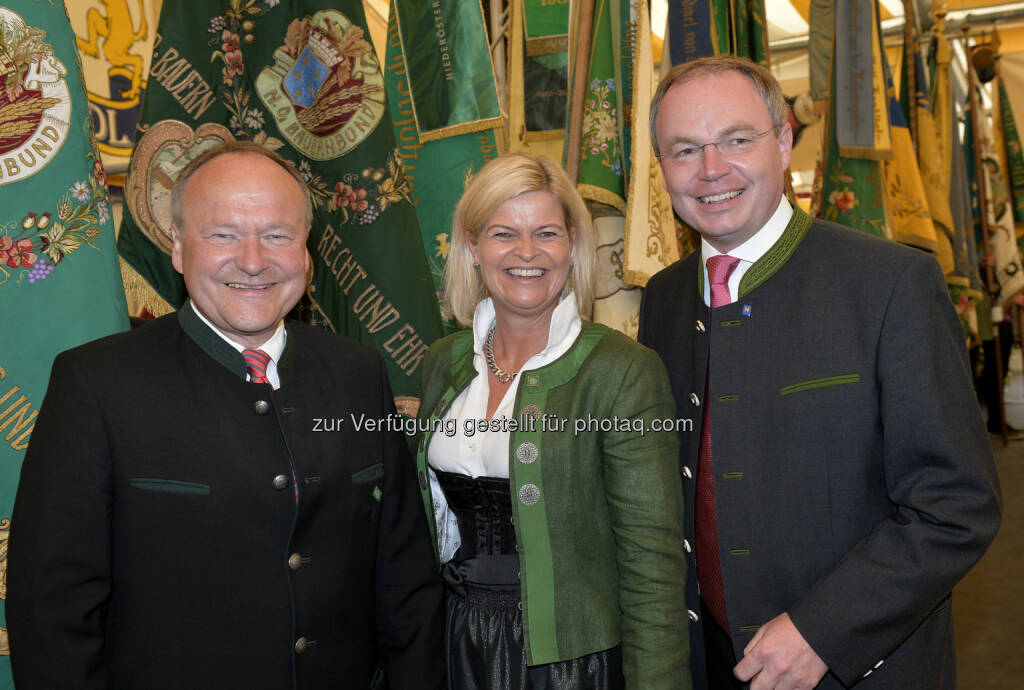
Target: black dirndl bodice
{"x":484,"y":621}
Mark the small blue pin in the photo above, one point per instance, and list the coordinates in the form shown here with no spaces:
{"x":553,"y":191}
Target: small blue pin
{"x":746,"y":310}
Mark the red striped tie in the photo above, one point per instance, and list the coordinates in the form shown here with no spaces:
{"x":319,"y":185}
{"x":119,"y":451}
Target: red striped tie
{"x":256,"y":362}
{"x":709,"y":564}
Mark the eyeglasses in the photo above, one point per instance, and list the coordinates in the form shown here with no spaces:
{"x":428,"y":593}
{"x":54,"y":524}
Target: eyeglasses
{"x":734,"y":145}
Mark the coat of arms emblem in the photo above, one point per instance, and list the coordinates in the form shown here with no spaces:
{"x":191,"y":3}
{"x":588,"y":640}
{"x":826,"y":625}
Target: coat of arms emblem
{"x":325,"y":89}
{"x":35,"y":104}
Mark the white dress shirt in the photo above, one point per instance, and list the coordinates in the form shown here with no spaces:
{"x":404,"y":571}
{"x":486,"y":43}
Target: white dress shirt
{"x":750,"y":251}
{"x":273,"y":347}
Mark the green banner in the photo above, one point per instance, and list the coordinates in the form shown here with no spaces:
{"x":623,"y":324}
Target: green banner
{"x":547,"y":26}
{"x":750,"y":35}
{"x":60,"y":282}
{"x":848,"y":191}
{"x":1014,"y":156}
{"x":299,"y":77}
{"x":605,"y":140}
{"x":453,"y":90}
{"x":546,"y":91}
{"x":436,"y":170}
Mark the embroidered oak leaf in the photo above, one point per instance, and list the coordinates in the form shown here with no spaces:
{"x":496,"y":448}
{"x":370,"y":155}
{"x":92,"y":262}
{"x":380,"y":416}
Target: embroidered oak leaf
{"x":295,"y":37}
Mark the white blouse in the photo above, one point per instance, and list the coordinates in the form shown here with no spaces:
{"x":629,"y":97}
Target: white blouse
{"x":485,"y":453}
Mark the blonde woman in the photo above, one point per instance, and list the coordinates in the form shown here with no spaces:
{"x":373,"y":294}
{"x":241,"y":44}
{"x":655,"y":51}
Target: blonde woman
{"x":556,"y":509}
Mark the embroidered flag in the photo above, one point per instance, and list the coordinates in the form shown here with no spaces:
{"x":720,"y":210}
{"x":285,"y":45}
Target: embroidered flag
{"x":1002,"y":239}
{"x":299,"y":77}
{"x":849,"y":182}
{"x":437,"y":169}
{"x":60,"y":285}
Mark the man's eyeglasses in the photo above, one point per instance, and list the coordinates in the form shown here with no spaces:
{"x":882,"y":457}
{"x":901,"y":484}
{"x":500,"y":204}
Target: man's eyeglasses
{"x":734,"y":145}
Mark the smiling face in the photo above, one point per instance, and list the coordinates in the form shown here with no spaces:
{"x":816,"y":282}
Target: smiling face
{"x":524,"y":251}
{"x":242,"y":249}
{"x":726,"y":199}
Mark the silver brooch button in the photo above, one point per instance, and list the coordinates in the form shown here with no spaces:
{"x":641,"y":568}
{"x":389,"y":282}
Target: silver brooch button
{"x":526,"y":453}
{"x":529,"y":494}
{"x":532,"y":411}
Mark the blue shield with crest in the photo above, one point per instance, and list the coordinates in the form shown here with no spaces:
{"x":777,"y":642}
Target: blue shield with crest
{"x":305,"y":78}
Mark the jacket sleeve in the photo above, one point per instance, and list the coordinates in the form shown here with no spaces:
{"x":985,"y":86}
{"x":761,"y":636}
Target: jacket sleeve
{"x":644,"y":495}
{"x":410,"y":614}
{"x":58,"y":571}
{"x":941,"y":481}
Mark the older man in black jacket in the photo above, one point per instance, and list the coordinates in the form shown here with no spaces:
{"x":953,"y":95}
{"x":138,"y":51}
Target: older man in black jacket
{"x":182,"y":523}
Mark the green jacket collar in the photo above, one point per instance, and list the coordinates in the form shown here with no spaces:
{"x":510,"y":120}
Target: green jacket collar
{"x":228,"y":357}
{"x":774,"y":259}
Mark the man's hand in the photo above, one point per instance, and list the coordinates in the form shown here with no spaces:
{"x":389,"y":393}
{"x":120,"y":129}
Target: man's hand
{"x":779,"y":658}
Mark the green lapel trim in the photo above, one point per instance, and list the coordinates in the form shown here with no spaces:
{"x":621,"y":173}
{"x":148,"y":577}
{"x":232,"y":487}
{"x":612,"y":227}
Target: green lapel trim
{"x":211,"y":343}
{"x":774,"y":259}
{"x":529,"y":499}
{"x":779,"y":253}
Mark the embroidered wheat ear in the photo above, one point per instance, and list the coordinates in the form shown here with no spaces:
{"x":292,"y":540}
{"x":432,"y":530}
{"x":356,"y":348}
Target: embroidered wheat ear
{"x":30,"y":106}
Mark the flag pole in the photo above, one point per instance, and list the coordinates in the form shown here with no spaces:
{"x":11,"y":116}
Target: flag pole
{"x":581,"y":68}
{"x":976,"y":113}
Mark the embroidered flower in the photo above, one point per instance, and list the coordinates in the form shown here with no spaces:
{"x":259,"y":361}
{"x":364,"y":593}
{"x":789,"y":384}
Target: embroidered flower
{"x":254,"y":119}
{"x":844,"y":200}
{"x":99,"y":173}
{"x":81,"y":192}
{"x":16,"y":254}
{"x":216,"y":25}
{"x":102,"y":212}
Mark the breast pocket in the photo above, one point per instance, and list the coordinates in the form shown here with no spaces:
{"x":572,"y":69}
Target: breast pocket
{"x":367,"y":482}
{"x":169,"y":486}
{"x":815,"y":384}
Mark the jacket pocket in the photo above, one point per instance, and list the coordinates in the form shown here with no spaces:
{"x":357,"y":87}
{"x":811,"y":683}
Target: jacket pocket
{"x":826,"y":382}
{"x":369,"y":474}
{"x":170,"y":486}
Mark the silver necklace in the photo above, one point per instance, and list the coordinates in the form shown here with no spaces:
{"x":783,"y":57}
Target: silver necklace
{"x":499,"y":373}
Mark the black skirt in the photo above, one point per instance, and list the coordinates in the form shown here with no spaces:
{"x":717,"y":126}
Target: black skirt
{"x":484,"y":620}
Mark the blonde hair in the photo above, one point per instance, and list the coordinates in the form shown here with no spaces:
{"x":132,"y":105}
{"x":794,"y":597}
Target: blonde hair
{"x":504,"y":178}
{"x":764,"y":82}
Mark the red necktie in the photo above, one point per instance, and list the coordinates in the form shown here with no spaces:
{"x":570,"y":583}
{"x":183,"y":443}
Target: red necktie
{"x":256,"y":362}
{"x":709,"y":565}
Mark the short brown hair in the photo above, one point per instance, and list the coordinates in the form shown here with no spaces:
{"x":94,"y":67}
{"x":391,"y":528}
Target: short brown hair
{"x":766,"y":84}
{"x":504,"y":178}
{"x":243,"y":146}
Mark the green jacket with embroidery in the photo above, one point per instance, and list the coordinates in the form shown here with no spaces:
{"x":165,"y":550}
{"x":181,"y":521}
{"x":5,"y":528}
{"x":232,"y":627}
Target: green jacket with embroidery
{"x":598,"y":513}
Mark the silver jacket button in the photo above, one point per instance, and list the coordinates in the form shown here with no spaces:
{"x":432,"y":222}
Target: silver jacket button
{"x":301,"y":645}
{"x":694,"y":400}
{"x":281,"y":482}
{"x":529,"y":494}
{"x":261,"y":407}
{"x":295,"y":561}
{"x":699,"y":326}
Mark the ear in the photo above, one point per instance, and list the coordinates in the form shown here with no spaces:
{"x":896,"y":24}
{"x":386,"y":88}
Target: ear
{"x":786,"y":145}
{"x":471,"y":243}
{"x":176,"y":249}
